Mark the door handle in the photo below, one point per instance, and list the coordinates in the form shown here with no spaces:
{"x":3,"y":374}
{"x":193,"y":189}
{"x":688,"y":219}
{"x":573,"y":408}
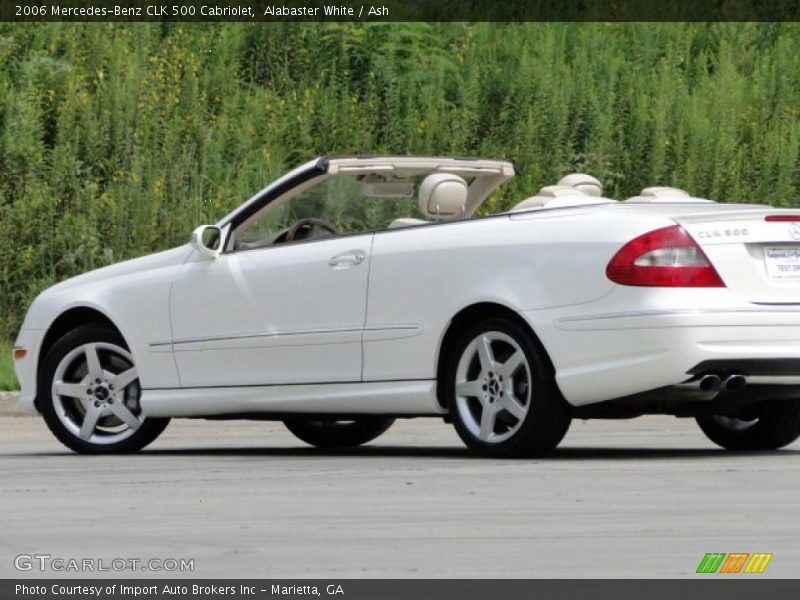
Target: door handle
{"x":350,"y":258}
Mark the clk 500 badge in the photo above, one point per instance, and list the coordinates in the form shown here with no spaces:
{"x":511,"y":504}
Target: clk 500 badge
{"x":719,"y":233}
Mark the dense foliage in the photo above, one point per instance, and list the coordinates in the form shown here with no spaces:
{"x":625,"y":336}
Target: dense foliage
{"x":8,"y":380}
{"x":116,"y":140}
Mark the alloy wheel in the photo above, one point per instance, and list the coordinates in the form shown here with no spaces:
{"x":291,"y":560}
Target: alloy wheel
{"x":493,"y":387}
{"x":96,"y":393}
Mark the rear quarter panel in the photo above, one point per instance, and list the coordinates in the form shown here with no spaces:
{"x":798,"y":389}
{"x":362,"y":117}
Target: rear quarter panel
{"x":421,"y":277}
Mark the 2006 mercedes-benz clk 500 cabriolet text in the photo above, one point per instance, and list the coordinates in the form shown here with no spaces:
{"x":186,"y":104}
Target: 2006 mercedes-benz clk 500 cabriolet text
{"x":356,"y":290}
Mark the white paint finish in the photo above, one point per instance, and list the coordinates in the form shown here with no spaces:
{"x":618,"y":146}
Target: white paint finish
{"x":426,"y":275}
{"x":247,"y":311}
{"x":686,"y":317}
{"x":309,"y":363}
{"x":637,"y":339}
{"x":388,"y":397}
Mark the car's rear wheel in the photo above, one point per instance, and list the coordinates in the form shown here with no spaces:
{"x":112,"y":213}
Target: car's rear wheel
{"x":330,"y":433}
{"x":89,"y":394}
{"x":763,"y":426}
{"x":501,"y":392}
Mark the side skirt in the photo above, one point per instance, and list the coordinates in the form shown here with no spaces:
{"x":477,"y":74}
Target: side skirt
{"x":416,"y":398}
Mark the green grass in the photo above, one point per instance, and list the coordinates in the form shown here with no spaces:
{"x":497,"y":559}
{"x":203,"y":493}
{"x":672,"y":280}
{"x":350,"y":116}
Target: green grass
{"x":117,"y":139}
{"x":8,"y":380}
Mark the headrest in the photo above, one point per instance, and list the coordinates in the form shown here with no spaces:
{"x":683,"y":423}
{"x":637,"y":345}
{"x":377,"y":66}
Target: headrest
{"x":661,"y":190}
{"x":556,"y":191}
{"x":584,"y":183}
{"x":555,"y":196}
{"x":550,"y":194}
{"x":443,"y":196}
{"x":665,"y":194}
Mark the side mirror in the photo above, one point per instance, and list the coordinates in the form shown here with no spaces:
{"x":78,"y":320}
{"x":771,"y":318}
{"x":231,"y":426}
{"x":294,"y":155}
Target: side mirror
{"x":207,"y":239}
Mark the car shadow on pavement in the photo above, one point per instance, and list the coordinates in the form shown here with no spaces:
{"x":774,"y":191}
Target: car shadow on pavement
{"x":447,"y":452}
{"x":583,"y":453}
{"x":566,"y":453}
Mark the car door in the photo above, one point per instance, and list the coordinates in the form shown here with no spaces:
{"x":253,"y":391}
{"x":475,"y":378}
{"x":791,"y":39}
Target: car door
{"x":286,"y":314}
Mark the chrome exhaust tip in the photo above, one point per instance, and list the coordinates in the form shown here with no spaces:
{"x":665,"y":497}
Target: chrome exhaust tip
{"x":734,"y":383}
{"x":709,"y":383}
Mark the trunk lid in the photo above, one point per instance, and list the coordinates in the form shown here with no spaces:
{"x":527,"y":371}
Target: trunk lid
{"x":758,"y":259}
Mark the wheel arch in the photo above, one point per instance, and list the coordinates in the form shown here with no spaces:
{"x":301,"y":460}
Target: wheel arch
{"x":468,"y":315}
{"x":64,"y":323}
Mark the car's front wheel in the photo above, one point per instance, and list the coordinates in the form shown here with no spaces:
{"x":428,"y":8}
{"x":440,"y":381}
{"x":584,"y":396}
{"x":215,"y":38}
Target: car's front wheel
{"x":501,"y":393}
{"x":330,"y":433}
{"x":763,"y":426}
{"x":89,"y":394}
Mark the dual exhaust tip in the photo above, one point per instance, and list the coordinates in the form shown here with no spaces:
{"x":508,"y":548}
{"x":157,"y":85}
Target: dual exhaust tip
{"x":713,"y":383}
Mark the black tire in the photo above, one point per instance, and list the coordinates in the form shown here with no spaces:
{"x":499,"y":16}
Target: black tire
{"x":764,"y":426}
{"x":147,"y":431}
{"x":547,"y":418}
{"x":329,"y":433}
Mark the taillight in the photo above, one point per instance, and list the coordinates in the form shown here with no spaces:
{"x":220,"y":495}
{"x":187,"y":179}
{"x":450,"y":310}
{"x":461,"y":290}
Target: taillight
{"x":666,"y":257}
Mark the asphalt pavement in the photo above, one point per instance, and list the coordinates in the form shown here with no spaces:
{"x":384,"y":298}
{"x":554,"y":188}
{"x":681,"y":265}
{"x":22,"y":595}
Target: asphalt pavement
{"x":641,"y":498}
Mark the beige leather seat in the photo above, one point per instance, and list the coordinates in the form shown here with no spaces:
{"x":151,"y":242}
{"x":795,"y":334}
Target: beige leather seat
{"x":664,"y":194}
{"x":572,"y":190}
{"x":442,"y":196}
{"x":584,"y":183}
{"x":546,"y":195}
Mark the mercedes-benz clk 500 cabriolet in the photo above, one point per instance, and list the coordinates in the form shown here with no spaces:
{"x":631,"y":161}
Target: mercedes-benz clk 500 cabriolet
{"x":357,"y":290}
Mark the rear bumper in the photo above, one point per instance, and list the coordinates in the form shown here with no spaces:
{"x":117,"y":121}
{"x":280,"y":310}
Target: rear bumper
{"x":608,"y":355}
{"x":763,"y":371}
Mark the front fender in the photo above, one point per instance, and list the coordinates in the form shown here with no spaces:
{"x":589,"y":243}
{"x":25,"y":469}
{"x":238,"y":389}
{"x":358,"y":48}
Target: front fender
{"x":134,"y":296}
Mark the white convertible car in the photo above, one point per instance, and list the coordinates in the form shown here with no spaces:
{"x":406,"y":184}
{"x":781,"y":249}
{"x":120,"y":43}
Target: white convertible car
{"x":357,"y":290}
